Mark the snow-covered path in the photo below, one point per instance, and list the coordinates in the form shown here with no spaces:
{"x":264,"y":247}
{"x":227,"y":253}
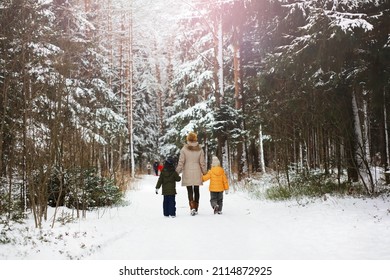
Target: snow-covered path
{"x":296,"y":240}
{"x":248,"y":229}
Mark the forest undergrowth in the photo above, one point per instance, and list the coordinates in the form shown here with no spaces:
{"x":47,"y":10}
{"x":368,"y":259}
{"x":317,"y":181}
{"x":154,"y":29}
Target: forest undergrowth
{"x":311,"y":185}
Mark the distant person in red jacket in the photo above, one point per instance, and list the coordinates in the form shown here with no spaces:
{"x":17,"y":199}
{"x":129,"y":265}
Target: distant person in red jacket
{"x":160,"y":168}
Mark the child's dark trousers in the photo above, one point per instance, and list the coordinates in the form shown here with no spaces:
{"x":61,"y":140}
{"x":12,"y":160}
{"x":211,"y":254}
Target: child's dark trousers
{"x":169,"y":205}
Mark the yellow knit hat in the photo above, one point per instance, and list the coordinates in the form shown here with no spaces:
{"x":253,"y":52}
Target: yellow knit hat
{"x":215,"y":161}
{"x":192,"y":137}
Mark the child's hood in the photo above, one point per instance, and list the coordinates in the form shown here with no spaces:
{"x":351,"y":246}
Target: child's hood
{"x":217,"y":170}
{"x":168,"y":171}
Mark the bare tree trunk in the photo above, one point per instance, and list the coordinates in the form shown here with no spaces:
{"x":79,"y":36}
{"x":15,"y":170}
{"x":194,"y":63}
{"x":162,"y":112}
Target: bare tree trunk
{"x":362,"y":163}
{"x":3,"y":123}
{"x":238,"y":96}
{"x":357,"y":129}
{"x":387,"y":161}
{"x":160,"y":100}
{"x":261,"y":149}
{"x":121,"y":83}
{"x":130,"y":94}
{"x":170,"y":74}
{"x":366,"y":129}
{"x":218,"y":62}
{"x":218,"y":77}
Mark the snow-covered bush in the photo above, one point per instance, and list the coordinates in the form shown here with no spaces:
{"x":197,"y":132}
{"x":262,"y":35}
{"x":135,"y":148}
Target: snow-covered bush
{"x":83,"y":189}
{"x":312,"y":185}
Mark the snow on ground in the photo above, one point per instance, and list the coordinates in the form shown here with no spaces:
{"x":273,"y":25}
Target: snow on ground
{"x":248,"y":229}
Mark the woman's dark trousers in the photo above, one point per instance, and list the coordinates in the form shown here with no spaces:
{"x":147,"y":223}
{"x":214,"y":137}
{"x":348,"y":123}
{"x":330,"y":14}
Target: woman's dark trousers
{"x":193,"y":197}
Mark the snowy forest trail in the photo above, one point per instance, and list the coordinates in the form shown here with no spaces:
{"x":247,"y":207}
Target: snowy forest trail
{"x":247,"y":229}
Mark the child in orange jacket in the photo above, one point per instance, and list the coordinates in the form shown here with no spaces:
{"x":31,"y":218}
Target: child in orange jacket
{"x":218,"y":184}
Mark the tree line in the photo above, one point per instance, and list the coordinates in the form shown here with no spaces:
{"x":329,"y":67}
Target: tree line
{"x":62,"y":125}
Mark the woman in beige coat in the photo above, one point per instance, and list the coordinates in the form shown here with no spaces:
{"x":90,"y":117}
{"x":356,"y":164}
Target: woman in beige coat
{"x":192,"y":164}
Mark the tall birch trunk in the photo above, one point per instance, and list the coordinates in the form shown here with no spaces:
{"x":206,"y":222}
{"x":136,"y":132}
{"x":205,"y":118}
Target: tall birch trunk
{"x":120,"y":86}
{"x":366,"y":140}
{"x":238,"y":96}
{"x":386,"y":131}
{"x":130,"y":97}
{"x":363,"y":167}
{"x":357,"y":131}
{"x":220,"y":58}
{"x":160,"y":100}
{"x":261,"y":148}
{"x":218,"y":76}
